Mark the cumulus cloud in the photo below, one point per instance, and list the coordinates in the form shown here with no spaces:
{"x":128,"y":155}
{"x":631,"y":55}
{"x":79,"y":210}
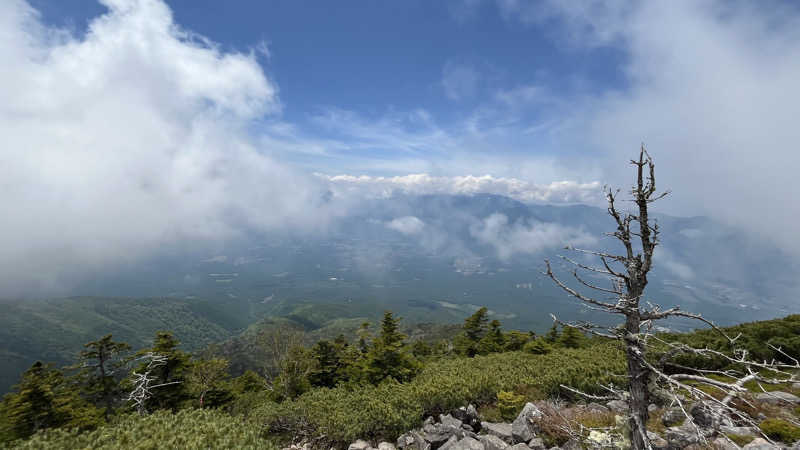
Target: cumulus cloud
{"x":125,"y":139}
{"x":512,"y":238}
{"x":406,"y":225}
{"x":710,"y":87}
{"x":422,"y":184}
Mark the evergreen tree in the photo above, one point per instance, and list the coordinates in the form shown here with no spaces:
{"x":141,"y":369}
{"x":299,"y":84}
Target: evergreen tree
{"x":421,"y":349}
{"x":43,"y":399}
{"x":538,"y":346}
{"x":493,"y":341}
{"x":572,"y":338}
{"x":389,"y":356}
{"x":552,"y":336}
{"x":174,"y":371}
{"x":466,"y":343}
{"x":99,"y":372}
{"x":327,"y":364}
{"x":364,"y":337}
{"x":295,"y":369}
{"x":515,"y":340}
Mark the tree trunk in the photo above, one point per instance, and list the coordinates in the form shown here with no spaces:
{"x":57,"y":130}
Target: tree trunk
{"x":638,"y":377}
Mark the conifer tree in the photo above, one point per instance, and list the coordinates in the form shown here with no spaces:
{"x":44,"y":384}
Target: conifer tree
{"x":43,"y":399}
{"x":327,"y":364}
{"x":207,"y":379}
{"x":572,"y":338}
{"x":172,"y":375}
{"x":493,"y":341}
{"x":466,"y":343}
{"x":99,"y":372}
{"x":389,"y":356}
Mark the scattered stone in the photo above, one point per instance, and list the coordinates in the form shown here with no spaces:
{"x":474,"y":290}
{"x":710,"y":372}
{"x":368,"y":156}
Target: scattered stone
{"x":449,"y":444}
{"x":760,"y":444}
{"x":524,"y":428}
{"x":437,"y":438}
{"x":412,"y":441}
{"x":449,"y":421}
{"x":501,"y":430}
{"x":536,"y":444}
{"x":721,"y":443}
{"x":657,"y":441}
{"x":617,"y":405}
{"x":359,"y":445}
{"x":673,"y":417}
{"x":468,"y":416}
{"x":652,"y":407}
{"x":520,"y":446}
{"x":572,"y":444}
{"x":386,"y":446}
{"x":492,"y":442}
{"x":467,"y":443}
{"x":740,"y":431}
{"x":680,"y":437}
{"x":778,"y":398}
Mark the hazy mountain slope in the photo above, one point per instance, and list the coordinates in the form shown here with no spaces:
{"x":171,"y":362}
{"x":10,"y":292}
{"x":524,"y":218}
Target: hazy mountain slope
{"x":55,"y":330}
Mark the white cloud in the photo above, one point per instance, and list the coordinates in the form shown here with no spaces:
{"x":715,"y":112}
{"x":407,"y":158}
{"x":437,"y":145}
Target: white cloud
{"x":711,"y":88}
{"x":459,"y":81}
{"x":406,"y":225}
{"x":518,"y":238}
{"x":421,"y":184}
{"x":126,"y":139}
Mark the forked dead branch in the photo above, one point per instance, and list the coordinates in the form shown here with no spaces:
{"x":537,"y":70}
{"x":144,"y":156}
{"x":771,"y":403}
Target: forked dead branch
{"x":652,"y":370}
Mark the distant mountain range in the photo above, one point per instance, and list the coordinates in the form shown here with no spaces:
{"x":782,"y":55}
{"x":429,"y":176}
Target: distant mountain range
{"x":428,"y":258}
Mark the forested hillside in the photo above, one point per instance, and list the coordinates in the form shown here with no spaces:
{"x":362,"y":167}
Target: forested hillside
{"x":329,"y":391}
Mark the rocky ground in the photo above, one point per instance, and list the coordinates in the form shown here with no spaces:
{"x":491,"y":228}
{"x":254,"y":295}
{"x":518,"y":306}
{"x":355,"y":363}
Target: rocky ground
{"x":538,"y":426}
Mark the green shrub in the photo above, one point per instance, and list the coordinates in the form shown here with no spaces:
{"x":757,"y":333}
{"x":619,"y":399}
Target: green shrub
{"x":509,"y":404}
{"x":538,"y":347}
{"x":191,"y":428}
{"x":780,"y":430}
{"x":346,"y":413}
{"x":740,"y":439}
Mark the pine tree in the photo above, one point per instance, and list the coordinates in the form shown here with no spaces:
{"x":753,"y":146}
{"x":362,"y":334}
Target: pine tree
{"x":99,"y":372}
{"x":43,"y":399}
{"x":493,"y":341}
{"x":466,"y":343}
{"x":327,"y":364}
{"x":572,"y":338}
{"x":172,"y":374}
{"x":207,"y":379}
{"x":552,"y":336}
{"x":389,"y":356}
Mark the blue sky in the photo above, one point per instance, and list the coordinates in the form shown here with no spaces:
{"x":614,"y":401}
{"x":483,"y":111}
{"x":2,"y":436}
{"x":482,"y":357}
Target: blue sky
{"x":377,"y":57}
{"x":130,"y":124}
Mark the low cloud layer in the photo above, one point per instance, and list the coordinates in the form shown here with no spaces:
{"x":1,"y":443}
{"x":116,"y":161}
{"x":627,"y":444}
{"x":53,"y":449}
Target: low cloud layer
{"x":509,"y":239}
{"x":424,"y":184}
{"x":127,"y":139}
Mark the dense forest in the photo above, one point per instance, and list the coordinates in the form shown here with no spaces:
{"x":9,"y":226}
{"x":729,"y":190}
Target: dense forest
{"x":372,"y":383}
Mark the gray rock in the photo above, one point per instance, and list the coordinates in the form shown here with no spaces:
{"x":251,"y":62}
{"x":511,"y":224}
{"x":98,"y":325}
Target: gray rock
{"x":468,"y":416}
{"x":412,"y":441}
{"x":520,"y":446}
{"x":760,"y":444}
{"x":359,"y":445}
{"x":617,"y":405}
{"x":572,"y":444}
{"x":386,"y":446}
{"x":501,"y":430}
{"x":673,"y":417}
{"x":680,"y":437}
{"x":778,"y":398}
{"x":524,"y":428}
{"x":450,"y":442}
{"x":536,"y":444}
{"x":449,"y":421}
{"x":437,"y":438}
{"x":652,"y":407}
{"x":657,"y":441}
{"x":467,"y":443}
{"x":740,"y":431}
{"x":721,"y":443}
{"x":492,"y":442}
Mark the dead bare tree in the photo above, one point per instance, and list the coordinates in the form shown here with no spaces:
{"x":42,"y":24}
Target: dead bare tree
{"x":143,"y":382}
{"x":628,"y":272}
